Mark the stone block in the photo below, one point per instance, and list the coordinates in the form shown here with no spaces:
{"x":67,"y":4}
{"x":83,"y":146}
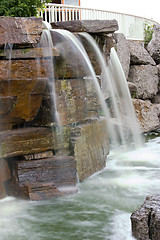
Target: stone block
{"x":32,"y":140}
{"x":20,"y":31}
{"x":91,"y":147}
{"x":90,"y":26}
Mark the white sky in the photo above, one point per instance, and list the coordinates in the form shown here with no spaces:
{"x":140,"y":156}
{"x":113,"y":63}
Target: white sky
{"x":143,"y":8}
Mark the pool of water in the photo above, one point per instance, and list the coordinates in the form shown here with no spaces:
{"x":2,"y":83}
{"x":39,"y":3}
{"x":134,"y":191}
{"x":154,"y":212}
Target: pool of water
{"x":99,"y":211}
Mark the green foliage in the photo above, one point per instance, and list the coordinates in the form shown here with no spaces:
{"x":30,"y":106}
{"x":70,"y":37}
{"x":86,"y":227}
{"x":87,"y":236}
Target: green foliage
{"x":20,"y":8}
{"x":148,"y":31}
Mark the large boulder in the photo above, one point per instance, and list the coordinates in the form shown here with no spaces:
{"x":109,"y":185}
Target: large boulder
{"x":154,"y":45}
{"x":147,"y":114}
{"x":139,"y":54}
{"x":122,"y":52}
{"x":146,"y":220}
{"x":146,"y":79}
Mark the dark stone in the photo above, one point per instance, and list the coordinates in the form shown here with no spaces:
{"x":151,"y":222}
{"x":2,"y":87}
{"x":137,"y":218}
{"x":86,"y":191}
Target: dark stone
{"x":90,"y":26}
{"x":146,"y":220}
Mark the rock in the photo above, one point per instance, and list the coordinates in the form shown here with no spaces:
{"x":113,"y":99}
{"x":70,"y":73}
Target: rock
{"x":122,"y":52}
{"x":21,"y":104}
{"x":146,"y":79}
{"x":139,"y":54}
{"x":154,"y":45}
{"x":91,"y":146}
{"x":41,"y":191}
{"x":59,"y":169}
{"x":20,"y":31}
{"x":146,"y":220}
{"x":90,"y":26}
{"x":28,"y":53}
{"x":7,"y":104}
{"x":5,"y":175}
{"x":147,"y":115}
{"x":31,"y":140}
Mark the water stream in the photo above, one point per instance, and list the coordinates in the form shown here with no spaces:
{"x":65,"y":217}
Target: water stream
{"x":100,"y":211}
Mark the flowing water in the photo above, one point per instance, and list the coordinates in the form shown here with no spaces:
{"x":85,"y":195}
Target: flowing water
{"x":99,"y":211}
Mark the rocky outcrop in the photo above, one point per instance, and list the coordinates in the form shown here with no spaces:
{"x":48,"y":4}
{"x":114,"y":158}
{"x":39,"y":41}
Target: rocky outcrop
{"x":90,"y":26}
{"x":145,"y":77}
{"x":154,"y":45}
{"x":146,"y":220}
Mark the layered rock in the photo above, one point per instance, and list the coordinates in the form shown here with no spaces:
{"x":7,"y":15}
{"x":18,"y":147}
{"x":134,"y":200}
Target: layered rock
{"x":41,"y":156}
{"x":146,"y":220}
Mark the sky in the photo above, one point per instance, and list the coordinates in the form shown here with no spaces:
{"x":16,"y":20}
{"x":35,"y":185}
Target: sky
{"x":143,"y":8}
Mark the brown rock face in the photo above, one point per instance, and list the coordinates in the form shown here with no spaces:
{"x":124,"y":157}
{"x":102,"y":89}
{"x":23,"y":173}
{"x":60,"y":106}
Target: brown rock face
{"x":20,"y":31}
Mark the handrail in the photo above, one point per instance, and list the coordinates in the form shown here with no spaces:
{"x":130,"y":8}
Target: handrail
{"x":130,"y":25}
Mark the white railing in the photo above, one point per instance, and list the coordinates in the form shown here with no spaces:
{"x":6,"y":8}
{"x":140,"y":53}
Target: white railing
{"x":131,"y":26}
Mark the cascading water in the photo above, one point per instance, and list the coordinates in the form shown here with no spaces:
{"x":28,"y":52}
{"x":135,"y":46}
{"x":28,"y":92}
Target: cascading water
{"x":123,"y":124}
{"x":102,"y":208}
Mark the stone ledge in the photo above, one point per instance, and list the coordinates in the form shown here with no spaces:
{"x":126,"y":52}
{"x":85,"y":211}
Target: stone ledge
{"x":90,"y":26}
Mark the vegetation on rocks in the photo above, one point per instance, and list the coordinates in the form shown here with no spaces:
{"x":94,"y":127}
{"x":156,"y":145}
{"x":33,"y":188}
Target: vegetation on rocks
{"x":20,"y":8}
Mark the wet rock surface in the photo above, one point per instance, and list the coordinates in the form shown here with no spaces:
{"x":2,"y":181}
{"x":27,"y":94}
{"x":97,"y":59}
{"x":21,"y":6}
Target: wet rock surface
{"x":146,"y":220}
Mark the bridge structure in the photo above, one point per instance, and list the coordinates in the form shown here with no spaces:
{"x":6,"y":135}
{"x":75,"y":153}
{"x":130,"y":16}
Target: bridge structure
{"x":130,"y":25}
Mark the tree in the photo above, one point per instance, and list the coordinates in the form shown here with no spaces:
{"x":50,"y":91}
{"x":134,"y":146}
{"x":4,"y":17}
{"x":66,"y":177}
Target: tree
{"x":20,"y":8}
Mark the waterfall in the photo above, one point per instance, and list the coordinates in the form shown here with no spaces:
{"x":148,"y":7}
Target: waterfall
{"x":123,"y":123}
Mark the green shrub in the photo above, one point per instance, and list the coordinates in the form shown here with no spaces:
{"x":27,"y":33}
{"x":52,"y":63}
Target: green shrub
{"x":20,"y":8}
{"x":148,"y":31}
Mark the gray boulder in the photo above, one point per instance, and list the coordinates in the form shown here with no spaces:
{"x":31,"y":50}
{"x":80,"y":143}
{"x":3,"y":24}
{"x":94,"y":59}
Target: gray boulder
{"x":146,"y":79}
{"x":147,"y":114}
{"x":154,"y":45}
{"x":139,"y":54}
{"x":146,"y":220}
{"x":122,"y":52}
